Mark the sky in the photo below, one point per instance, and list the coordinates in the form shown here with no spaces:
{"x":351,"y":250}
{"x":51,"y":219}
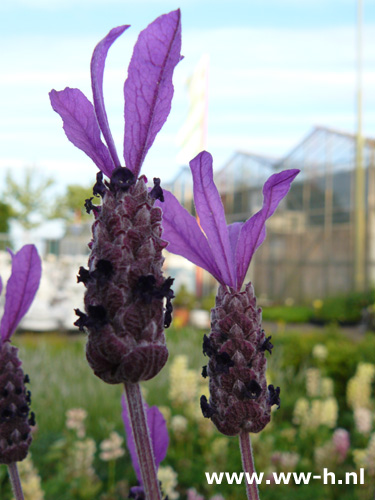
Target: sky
{"x":276,"y":69}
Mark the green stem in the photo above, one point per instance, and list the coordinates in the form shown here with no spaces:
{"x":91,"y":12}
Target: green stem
{"x":15,"y":480}
{"x":141,"y":435}
{"x":248,"y":465}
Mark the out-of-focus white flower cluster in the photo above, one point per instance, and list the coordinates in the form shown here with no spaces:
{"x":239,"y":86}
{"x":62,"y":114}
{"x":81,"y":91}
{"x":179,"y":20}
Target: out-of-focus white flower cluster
{"x":310,"y":415}
{"x":81,"y":459}
{"x":359,"y":397}
{"x":285,"y":461}
{"x":323,"y":409}
{"x":31,"y":482}
{"x":320,"y":352}
{"x":75,"y":420}
{"x":179,"y":425}
{"x":318,"y":386}
{"x":185,"y":389}
{"x":168,"y":478}
{"x":111,"y":448}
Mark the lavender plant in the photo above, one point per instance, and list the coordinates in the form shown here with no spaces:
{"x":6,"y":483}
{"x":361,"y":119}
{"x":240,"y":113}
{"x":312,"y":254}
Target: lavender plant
{"x":125,"y":289}
{"x":15,"y":416}
{"x":240,"y":401}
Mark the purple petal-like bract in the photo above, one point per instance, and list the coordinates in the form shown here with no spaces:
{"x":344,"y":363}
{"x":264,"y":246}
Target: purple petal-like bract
{"x":148,"y":89}
{"x":184,"y":235}
{"x":234,"y":233}
{"x":211,"y":215}
{"x":253,"y":231}
{"x":158,"y":434}
{"x":21,"y":289}
{"x":97,"y":69}
{"x":81,"y":126}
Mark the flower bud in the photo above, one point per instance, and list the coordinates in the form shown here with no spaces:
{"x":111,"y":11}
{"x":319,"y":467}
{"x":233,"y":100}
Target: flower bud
{"x":15,"y":416}
{"x":239,"y":397}
{"x":124,"y":300}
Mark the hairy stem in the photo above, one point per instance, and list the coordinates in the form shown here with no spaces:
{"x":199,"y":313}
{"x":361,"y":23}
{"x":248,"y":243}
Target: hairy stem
{"x":15,"y":480}
{"x":248,"y":465}
{"x":142,"y":441}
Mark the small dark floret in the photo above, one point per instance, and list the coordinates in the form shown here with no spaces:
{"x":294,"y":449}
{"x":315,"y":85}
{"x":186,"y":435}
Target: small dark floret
{"x":157,"y":192}
{"x":103,"y":272}
{"x":121,"y":179}
{"x":6,"y":414}
{"x":97,"y":315}
{"x":26,"y":379}
{"x":208,"y":350}
{"x":82,"y":321}
{"x":89,"y":205}
{"x":99,"y":188}
{"x":223,"y":362}
{"x":274,"y":395}
{"x":147,"y":290}
{"x":204,"y":371}
{"x":267,"y":346}
{"x":83,"y":275}
{"x":206,"y":408}
{"x":253,"y":390}
{"x":31,"y":420}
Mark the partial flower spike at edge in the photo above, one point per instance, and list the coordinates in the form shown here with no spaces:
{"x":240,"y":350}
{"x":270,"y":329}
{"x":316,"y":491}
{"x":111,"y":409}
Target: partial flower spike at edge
{"x":125,"y":289}
{"x":15,"y":416}
{"x":240,"y":401}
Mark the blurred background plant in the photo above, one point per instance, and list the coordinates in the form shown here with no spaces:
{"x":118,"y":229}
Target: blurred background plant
{"x":326,"y":419}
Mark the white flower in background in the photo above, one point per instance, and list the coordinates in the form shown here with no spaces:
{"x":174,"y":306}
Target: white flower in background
{"x":359,"y":388}
{"x":82,"y":458}
{"x":75,"y":418}
{"x":329,"y":412}
{"x":326,"y":387}
{"x":301,"y":411}
{"x":168,"y":478}
{"x":111,"y":449}
{"x":363,"y":418}
{"x":179,"y":425}
{"x":320,"y":352}
{"x":313,"y":378}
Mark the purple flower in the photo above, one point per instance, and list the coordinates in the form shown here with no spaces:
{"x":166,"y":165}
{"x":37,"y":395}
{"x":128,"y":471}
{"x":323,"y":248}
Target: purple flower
{"x":124,"y":302}
{"x":223,"y":250}
{"x":159,"y":440}
{"x":148,"y":93}
{"x":15,"y":416}
{"x":239,"y":397}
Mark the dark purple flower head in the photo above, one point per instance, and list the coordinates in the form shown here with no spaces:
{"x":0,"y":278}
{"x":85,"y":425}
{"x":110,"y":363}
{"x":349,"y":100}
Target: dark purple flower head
{"x":148,"y":93}
{"x":124,"y":302}
{"x":15,"y":399}
{"x":223,"y":250}
{"x":159,"y":439}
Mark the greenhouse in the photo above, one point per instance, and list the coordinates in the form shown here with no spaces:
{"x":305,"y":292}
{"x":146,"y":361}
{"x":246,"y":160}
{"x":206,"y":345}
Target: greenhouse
{"x":309,"y":251}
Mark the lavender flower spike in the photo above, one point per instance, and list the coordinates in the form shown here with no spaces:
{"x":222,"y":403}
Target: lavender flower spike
{"x":239,"y":398}
{"x":15,"y":416}
{"x":124,"y":313}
